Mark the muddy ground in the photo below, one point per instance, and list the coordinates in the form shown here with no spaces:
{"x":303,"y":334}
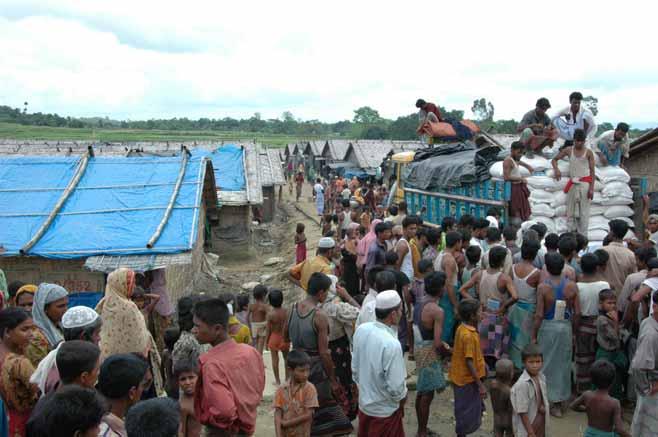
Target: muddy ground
{"x":276,"y":240}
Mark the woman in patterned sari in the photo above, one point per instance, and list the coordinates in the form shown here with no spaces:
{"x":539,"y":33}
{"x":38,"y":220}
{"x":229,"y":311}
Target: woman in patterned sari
{"x":124,"y":328}
{"x":20,"y":396}
{"x":50,"y":303}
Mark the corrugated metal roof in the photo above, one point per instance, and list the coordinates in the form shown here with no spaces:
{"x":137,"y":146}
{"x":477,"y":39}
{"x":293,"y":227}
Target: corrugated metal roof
{"x":644,"y":142}
{"x":369,"y":153}
{"x":271,"y":169}
{"x":338,"y":149}
{"x":137,"y":263}
{"x":406,"y":146}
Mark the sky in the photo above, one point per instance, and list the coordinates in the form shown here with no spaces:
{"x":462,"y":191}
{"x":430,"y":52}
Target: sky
{"x":129,"y":59}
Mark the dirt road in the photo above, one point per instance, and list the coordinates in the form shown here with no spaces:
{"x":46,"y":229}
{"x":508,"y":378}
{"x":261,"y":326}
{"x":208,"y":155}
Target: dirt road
{"x":280,"y":244}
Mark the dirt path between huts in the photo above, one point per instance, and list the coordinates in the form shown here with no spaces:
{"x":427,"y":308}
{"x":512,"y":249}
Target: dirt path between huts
{"x":276,"y":240}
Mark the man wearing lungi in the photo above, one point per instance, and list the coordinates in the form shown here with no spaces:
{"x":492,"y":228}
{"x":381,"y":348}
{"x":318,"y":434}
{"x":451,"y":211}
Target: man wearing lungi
{"x":379,"y":371}
{"x":556,"y":296}
{"x":580,"y":187}
{"x":519,"y":206}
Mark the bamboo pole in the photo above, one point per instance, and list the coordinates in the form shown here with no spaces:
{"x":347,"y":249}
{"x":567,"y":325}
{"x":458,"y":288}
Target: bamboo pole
{"x":82,"y":167}
{"x":244,"y":167}
{"x":165,"y":218}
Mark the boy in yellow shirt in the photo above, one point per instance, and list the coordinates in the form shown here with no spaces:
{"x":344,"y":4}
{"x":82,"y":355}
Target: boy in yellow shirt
{"x":467,"y":370}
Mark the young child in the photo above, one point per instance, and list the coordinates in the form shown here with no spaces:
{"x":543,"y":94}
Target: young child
{"x":296,"y":400}
{"x":608,"y":340}
{"x":300,"y":243}
{"x":603,"y":411}
{"x":467,"y":370}
{"x":144,"y":301}
{"x":275,"y":338}
{"x":242,"y":310}
{"x":529,"y":395}
{"x":500,"y":398}
{"x":425,"y":268}
{"x":236,"y":329}
{"x":171,"y":336}
{"x":258,"y":317}
{"x":187,"y":373}
{"x":326,"y":223}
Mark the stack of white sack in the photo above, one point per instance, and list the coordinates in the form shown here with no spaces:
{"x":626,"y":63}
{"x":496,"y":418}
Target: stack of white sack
{"x":613,"y":197}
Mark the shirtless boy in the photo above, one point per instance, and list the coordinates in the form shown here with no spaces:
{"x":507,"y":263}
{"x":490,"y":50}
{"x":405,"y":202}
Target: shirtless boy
{"x":603,"y":411}
{"x":257,"y":317}
{"x":276,"y":319}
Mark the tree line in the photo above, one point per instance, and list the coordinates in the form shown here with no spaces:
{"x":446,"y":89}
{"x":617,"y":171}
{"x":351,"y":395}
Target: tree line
{"x":366,"y":123}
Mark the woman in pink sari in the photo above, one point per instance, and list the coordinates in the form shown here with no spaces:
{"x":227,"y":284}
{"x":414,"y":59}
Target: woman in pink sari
{"x":362,"y":250}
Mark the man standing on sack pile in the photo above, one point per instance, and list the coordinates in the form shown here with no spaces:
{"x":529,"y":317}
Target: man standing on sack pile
{"x":580,"y":187}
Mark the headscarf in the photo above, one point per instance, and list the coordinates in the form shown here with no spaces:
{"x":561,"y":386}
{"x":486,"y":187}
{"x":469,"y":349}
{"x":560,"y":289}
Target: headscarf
{"x":27,"y":288}
{"x":75,"y":317}
{"x":365,"y":242}
{"x":45,"y":294}
{"x":159,"y":287}
{"x":124,"y":328}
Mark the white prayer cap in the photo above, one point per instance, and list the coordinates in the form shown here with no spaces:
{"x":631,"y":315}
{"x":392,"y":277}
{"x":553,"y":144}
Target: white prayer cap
{"x":387,"y":299}
{"x":78,"y":317}
{"x":326,"y":243}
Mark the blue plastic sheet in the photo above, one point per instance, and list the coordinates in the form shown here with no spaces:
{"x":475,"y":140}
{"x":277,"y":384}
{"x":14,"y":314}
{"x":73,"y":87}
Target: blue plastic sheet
{"x":114,"y":210}
{"x":227,"y":162}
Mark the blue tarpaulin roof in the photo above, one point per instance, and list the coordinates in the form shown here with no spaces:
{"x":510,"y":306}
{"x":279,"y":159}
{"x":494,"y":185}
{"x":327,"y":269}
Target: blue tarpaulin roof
{"x":227,"y":162}
{"x":114,"y":210}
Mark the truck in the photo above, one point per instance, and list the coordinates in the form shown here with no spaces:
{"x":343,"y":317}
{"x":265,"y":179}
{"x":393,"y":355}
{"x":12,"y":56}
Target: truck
{"x":473,"y":198}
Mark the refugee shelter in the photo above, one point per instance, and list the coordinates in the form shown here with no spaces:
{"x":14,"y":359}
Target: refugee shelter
{"x":365,"y":157}
{"x":333,"y":153}
{"x":73,"y":219}
{"x":312,"y":152}
{"x":239,"y":189}
{"x":643,"y":159}
{"x":272,"y":179}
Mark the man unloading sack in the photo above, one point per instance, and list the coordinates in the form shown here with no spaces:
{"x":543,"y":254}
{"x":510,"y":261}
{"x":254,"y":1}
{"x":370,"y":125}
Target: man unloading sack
{"x":580,"y":187}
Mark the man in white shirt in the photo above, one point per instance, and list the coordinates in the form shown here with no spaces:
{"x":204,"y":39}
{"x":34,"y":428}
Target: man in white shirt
{"x":574,"y":117}
{"x":383,"y":280}
{"x":379,"y":371}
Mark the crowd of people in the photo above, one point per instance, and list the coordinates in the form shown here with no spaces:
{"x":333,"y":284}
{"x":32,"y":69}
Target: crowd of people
{"x":525,"y":318}
{"x":529,"y":318}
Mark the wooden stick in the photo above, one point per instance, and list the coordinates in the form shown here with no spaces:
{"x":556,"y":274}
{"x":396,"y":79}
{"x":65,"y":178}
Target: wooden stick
{"x":172,"y":200}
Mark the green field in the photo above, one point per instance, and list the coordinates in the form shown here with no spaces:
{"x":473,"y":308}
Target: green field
{"x":23,"y":132}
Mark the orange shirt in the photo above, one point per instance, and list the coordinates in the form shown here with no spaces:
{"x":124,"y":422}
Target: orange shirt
{"x":294,"y":404}
{"x":467,"y":345}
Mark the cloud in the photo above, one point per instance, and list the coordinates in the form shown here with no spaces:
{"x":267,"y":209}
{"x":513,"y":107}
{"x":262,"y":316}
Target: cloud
{"x":137,"y":60}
